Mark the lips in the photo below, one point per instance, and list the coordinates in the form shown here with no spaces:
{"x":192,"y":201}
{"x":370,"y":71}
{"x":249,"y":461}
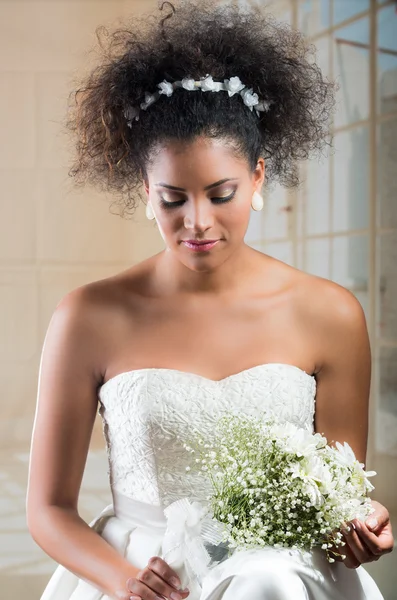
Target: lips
{"x":199,"y":242}
{"x":200,"y":245}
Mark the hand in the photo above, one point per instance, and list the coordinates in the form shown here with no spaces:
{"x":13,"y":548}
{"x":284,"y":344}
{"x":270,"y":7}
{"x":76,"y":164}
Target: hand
{"x":155,"y":582}
{"x":366,"y":542}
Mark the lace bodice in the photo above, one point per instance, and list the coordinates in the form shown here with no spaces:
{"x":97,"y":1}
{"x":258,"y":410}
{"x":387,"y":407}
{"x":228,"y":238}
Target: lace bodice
{"x":149,"y":413}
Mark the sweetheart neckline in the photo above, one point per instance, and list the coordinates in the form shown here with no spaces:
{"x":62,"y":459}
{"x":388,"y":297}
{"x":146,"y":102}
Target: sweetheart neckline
{"x":214,"y":381}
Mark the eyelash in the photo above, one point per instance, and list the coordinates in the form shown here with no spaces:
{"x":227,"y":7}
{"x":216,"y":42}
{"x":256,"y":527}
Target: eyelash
{"x":171,"y":205}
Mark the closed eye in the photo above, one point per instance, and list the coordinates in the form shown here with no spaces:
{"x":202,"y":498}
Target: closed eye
{"x":215,"y":200}
{"x":223,"y":199}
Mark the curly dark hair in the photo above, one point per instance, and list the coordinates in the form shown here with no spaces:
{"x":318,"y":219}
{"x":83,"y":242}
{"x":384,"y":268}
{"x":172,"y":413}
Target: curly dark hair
{"x":194,"y":39}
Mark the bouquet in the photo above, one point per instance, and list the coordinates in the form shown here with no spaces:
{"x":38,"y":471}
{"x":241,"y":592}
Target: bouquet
{"x":280,"y":485}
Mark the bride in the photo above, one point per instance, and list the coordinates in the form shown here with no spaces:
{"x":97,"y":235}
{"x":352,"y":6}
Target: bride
{"x":201,"y":105}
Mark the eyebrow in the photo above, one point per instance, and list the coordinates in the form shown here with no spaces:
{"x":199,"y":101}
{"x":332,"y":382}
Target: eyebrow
{"x":208,"y":187}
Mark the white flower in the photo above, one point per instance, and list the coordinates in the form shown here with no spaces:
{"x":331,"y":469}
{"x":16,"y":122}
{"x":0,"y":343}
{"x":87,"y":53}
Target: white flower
{"x":208,"y":84}
{"x":149,"y":99}
{"x":316,"y":498}
{"x":346,"y":454}
{"x":250,"y":99}
{"x":166,"y":88}
{"x":234,"y":85}
{"x":189,"y":84}
{"x":130,"y":114}
{"x":264,"y":106}
{"x":297,"y":440}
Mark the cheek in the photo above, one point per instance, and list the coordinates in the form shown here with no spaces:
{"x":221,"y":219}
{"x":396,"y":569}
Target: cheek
{"x":167,"y":225}
{"x":238,"y":219}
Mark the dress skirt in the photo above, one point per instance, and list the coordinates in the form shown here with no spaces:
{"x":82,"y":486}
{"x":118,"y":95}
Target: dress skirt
{"x":137,"y":531}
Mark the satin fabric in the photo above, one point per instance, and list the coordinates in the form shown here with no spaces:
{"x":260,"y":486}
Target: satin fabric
{"x":136,"y":530}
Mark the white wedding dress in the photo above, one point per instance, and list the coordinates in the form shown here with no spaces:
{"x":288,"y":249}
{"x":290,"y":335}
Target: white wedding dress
{"x":147,"y":415}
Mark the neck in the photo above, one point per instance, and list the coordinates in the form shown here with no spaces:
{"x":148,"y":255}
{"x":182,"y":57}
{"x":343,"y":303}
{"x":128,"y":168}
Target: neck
{"x":174,"y":277}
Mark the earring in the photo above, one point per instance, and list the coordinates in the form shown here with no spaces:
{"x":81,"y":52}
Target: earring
{"x":257,"y":201}
{"x":149,"y":212}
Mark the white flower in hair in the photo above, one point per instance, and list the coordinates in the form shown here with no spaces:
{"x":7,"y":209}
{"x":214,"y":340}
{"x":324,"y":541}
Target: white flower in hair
{"x":130,"y":114}
{"x":166,"y":88}
{"x":250,"y":99}
{"x":208,"y":84}
{"x":189,"y":84}
{"x":234,"y":85}
{"x":149,"y":99}
{"x":264,"y":106}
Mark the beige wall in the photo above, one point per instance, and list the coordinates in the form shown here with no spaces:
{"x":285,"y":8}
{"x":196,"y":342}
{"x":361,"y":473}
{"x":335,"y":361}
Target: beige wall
{"x":53,"y":238}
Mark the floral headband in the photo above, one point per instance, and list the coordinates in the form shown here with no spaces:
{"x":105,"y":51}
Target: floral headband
{"x":206,"y":84}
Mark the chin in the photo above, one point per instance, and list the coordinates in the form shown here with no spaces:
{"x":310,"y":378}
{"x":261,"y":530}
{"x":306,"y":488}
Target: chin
{"x":204,"y":264}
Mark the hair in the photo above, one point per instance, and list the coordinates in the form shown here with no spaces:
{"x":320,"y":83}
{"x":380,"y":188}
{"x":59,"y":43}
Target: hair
{"x":194,"y":39}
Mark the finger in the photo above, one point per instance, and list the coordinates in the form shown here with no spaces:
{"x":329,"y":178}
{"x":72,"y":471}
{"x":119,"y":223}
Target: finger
{"x":163,"y":570}
{"x":379,"y":518}
{"x":150,"y":586}
{"x":139,"y":591}
{"x":378,"y":545}
{"x":358,"y":548}
{"x":343,"y":553}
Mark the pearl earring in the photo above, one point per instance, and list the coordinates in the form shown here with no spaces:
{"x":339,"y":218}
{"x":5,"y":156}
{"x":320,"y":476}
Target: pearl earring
{"x":149,"y":212}
{"x":257,"y":201}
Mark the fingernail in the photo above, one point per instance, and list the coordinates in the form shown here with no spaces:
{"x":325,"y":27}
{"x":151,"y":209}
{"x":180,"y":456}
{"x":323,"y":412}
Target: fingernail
{"x":175,"y":596}
{"x":175,"y":582}
{"x":372,"y":523}
{"x":347,"y":529}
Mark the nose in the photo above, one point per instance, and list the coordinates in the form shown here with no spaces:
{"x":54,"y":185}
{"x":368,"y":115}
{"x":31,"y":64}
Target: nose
{"x":199,"y":215}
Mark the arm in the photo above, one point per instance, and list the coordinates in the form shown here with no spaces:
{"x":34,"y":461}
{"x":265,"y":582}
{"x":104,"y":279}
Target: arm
{"x":343,"y":389}
{"x":344,"y":376}
{"x":65,"y":414}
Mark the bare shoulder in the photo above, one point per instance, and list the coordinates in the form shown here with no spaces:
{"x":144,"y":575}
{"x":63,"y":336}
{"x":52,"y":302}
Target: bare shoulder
{"x":99,"y":311}
{"x":333,"y":316}
{"x":329,"y":302}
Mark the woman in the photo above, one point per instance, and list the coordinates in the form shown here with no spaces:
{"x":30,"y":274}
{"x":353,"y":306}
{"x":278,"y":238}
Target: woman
{"x":201,"y":106}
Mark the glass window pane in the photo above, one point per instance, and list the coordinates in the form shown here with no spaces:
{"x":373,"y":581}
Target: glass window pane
{"x":387,"y":173}
{"x":280,"y":250}
{"x":387,"y":59}
{"x":275,"y":216}
{"x":323,"y":46}
{"x":316,"y":190}
{"x":387,"y":286}
{"x":386,"y":417}
{"x":318,"y":257}
{"x":350,"y":267}
{"x":300,"y":204}
{"x":313,"y":16}
{"x":345,"y":9}
{"x":300,"y":256}
{"x":351,"y":70}
{"x":351,"y":188}
{"x":254,"y":231}
{"x":281,"y":9}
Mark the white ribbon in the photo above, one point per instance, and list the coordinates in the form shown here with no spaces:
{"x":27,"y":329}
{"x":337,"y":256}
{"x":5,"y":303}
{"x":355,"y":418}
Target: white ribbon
{"x":189,"y":526}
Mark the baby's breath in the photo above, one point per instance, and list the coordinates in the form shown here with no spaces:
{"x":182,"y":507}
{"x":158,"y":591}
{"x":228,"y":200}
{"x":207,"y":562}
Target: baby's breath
{"x":280,"y":485}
